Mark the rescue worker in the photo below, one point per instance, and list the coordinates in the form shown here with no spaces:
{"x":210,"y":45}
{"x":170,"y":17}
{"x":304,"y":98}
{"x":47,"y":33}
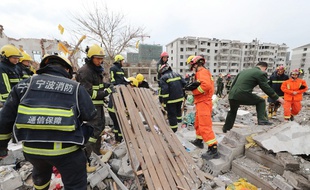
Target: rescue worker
{"x":90,"y":75}
{"x":9,"y":76}
{"x":142,"y":82}
{"x":219,"y":85}
{"x":24,"y":66}
{"x":293,"y":89}
{"x":203,"y":102}
{"x":241,"y":94}
{"x":45,"y":113}
{"x":172,"y":95}
{"x":117,"y":77}
{"x":228,"y":83}
{"x":162,"y":61}
{"x":133,"y":81}
{"x":275,"y":81}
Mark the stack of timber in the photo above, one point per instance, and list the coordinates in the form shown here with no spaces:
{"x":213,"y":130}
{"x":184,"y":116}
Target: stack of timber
{"x":164,"y":162}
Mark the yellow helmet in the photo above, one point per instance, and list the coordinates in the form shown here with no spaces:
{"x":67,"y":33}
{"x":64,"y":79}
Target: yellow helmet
{"x":118,"y":58}
{"x":9,"y":51}
{"x":133,"y":81}
{"x":26,"y":57}
{"x":140,"y":77}
{"x":189,"y":59}
{"x":96,"y":51}
{"x":61,"y":59}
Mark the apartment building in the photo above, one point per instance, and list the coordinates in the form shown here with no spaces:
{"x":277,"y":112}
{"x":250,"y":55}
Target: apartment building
{"x":225,"y":56}
{"x":301,"y":59}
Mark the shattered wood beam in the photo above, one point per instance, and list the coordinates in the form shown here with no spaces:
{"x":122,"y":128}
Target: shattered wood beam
{"x":164,"y":161}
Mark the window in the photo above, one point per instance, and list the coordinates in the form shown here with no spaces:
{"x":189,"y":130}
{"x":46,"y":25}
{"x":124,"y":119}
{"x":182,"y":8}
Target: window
{"x":171,"y":58}
{"x":305,"y":49}
{"x":181,"y":63}
{"x":208,"y":51}
{"x":208,"y":43}
{"x":181,"y":42}
{"x":181,"y":70}
{"x":215,"y":44}
{"x":171,"y":51}
{"x":214,"y":64}
{"x":215,"y":51}
{"x":181,"y":56}
{"x":214,"y":70}
{"x":171,"y":64}
{"x":181,"y":49}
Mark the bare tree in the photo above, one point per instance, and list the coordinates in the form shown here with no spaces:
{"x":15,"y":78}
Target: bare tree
{"x":107,"y":28}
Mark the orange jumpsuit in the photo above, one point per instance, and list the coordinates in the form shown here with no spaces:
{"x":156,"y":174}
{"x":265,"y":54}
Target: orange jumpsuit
{"x":292,"y":104}
{"x":203,"y":101}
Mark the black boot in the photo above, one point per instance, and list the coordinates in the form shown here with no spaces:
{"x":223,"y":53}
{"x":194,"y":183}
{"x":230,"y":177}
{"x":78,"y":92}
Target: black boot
{"x":291,"y":118}
{"x":211,"y":153}
{"x":198,"y":143}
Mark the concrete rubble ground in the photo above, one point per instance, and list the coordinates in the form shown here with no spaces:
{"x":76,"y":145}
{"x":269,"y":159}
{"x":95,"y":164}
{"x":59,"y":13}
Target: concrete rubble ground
{"x":269,"y":157}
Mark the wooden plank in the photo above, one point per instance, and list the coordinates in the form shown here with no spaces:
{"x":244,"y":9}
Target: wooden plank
{"x":146,"y":147}
{"x":179,"y":150}
{"x":144,"y":106}
{"x":157,"y":149}
{"x":129,"y":137}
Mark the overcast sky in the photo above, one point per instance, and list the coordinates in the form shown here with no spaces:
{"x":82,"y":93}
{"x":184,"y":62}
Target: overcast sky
{"x":270,"y":21}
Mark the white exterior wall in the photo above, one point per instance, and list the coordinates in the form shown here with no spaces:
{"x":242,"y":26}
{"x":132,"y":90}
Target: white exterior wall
{"x":225,"y":56}
{"x":301,"y":59}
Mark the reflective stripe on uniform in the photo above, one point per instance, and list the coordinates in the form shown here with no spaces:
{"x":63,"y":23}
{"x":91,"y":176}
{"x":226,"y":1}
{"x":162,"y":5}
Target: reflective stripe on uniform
{"x":173,"y":79}
{"x":211,"y":142}
{"x":93,"y":140}
{"x":6,"y":82}
{"x":111,"y":109}
{"x":46,"y":127}
{"x":98,"y":102}
{"x":45,"y":118}
{"x":200,"y":90}
{"x":14,"y":80}
{"x":57,"y":151}
{"x":5,"y":136}
{"x":277,"y":81}
{"x":176,"y":100}
{"x":94,"y":94}
{"x":42,"y":186}
{"x":45,"y":111}
{"x":3,"y":97}
{"x":174,"y":126}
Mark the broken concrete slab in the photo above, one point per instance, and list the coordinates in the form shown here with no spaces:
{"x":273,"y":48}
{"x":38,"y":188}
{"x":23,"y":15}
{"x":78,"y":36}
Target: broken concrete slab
{"x":290,"y":137}
{"x":296,"y":180}
{"x":288,"y":161}
{"x":9,"y":178}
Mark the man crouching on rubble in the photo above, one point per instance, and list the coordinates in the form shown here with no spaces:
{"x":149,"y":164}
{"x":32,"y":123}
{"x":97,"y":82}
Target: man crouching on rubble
{"x":47,"y":112}
{"x":241,"y":94}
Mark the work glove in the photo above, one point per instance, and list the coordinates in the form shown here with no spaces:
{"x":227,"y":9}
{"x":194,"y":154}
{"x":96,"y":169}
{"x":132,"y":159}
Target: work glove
{"x":302,"y":87}
{"x":191,"y":86}
{"x":3,"y":152}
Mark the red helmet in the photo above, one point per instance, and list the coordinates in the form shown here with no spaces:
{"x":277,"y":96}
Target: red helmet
{"x":280,"y":68}
{"x":295,"y":71}
{"x":198,"y":59}
{"x":164,"y":54}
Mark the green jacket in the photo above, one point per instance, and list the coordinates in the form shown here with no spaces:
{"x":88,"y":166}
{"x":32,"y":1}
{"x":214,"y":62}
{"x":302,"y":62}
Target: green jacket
{"x":246,"y":80}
